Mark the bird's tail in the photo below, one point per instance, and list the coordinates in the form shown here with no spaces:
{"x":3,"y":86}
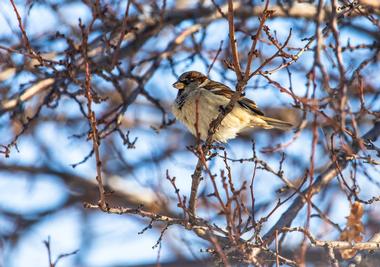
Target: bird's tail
{"x":275,"y":123}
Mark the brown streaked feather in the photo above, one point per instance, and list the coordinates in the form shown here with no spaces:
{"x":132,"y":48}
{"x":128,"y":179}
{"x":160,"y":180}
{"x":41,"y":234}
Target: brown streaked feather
{"x":219,"y":89}
{"x":223,"y":90}
{"x":248,"y":103}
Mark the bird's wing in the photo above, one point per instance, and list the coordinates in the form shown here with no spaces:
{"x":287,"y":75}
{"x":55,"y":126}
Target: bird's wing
{"x":249,"y":104}
{"x":223,"y":90}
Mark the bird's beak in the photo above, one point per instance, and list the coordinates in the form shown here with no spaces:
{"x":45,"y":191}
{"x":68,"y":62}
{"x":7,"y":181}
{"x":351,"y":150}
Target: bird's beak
{"x":179,"y":85}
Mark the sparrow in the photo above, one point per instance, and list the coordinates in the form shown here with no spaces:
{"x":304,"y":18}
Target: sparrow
{"x":200,"y":100}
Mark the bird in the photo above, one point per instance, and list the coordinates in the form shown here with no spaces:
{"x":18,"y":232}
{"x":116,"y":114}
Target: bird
{"x":200,"y":100}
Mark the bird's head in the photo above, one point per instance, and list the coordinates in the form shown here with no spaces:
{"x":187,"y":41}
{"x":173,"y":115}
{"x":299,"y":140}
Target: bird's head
{"x":190,"y":80}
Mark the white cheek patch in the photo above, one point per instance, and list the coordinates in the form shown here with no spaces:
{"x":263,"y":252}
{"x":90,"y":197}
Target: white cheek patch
{"x":204,"y":83}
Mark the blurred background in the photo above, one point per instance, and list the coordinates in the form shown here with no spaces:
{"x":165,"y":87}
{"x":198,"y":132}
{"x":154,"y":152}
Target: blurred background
{"x":136,"y":50}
